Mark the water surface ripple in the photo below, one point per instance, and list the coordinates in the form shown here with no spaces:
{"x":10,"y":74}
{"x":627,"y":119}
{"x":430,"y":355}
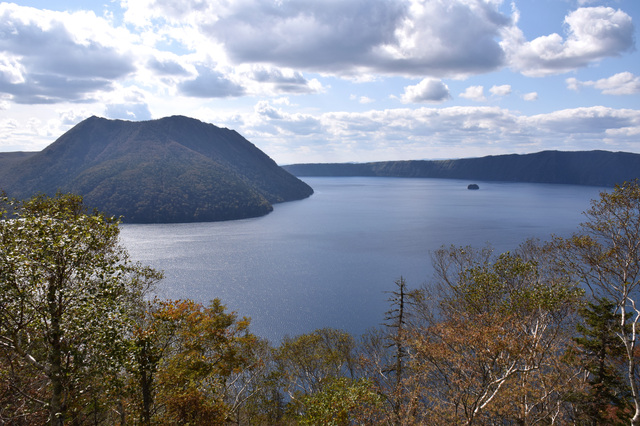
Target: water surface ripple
{"x":327,"y":261}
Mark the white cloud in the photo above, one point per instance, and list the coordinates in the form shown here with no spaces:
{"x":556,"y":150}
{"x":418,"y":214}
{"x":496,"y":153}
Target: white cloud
{"x":57,"y":57}
{"x":134,"y":111}
{"x":593,"y":33}
{"x":11,"y":70}
{"x":183,"y":57}
{"x":28,"y":134}
{"x":137,"y":12}
{"x":405,"y":133}
{"x":428,"y":90}
{"x":460,"y":35}
{"x":502,"y":90}
{"x":52,"y":57}
{"x":71,"y":117}
{"x":597,"y":120}
{"x":210,"y":83}
{"x":364,"y":37}
{"x":282,"y":101}
{"x":265,"y":109}
{"x":624,"y":83}
{"x":167,"y":66}
{"x":475,"y":93}
{"x":573,"y":84}
{"x":349,"y":37}
{"x":282,"y":81}
{"x":283,"y":123}
{"x":302,"y":34}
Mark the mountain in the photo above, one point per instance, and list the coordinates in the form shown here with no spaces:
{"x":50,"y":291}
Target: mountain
{"x":595,"y":168}
{"x":9,"y":159}
{"x":174,"y":169}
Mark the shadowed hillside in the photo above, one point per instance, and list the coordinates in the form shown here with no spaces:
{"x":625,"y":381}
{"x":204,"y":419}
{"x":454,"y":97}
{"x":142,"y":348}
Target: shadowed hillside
{"x":9,"y":159}
{"x":175,"y":169}
{"x":597,"y":168}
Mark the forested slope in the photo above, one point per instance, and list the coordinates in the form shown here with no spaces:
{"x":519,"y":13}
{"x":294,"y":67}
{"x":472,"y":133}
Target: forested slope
{"x":543,"y":334}
{"x":597,"y":168}
{"x":175,"y":169}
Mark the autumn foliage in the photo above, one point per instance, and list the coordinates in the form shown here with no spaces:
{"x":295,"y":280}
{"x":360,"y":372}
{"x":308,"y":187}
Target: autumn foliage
{"x":545,"y":334}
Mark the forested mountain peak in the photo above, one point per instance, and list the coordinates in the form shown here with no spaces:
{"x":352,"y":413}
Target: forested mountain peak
{"x":174,"y":169}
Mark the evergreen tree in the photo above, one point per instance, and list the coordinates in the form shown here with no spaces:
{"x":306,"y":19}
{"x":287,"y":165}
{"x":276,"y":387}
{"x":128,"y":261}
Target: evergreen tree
{"x":602,"y":355}
{"x":605,"y":258}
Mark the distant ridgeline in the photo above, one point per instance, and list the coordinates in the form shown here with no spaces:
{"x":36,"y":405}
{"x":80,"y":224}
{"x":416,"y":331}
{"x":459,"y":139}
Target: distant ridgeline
{"x":175,"y":169}
{"x":595,"y":168}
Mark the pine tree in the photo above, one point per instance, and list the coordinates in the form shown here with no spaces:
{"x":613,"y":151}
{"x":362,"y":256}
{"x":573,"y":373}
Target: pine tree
{"x":602,"y":355}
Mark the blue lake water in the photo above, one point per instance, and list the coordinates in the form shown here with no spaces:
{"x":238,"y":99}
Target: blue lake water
{"x":328,"y":260}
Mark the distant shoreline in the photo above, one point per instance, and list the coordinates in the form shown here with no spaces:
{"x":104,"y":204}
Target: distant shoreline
{"x":589,"y":168}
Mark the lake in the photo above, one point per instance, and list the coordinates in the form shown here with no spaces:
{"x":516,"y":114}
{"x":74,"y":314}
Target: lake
{"x":328,"y":260}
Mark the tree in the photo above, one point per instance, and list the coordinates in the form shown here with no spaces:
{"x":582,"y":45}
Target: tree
{"x":396,"y":322}
{"x":67,"y":293}
{"x":307,"y":361}
{"x":605,"y":257}
{"x":492,"y":335}
{"x":376,"y":359}
{"x":253,"y":392}
{"x":601,"y":353}
{"x":319,"y":372}
{"x":205,"y":350}
{"x":149,"y":342}
{"x":342,"y":401}
{"x":22,"y":392}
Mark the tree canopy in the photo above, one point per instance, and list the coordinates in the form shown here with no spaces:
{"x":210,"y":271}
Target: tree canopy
{"x":544,"y":334}
{"x":68,"y":296}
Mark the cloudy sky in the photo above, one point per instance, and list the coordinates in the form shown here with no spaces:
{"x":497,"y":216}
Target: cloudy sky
{"x":331,"y":80}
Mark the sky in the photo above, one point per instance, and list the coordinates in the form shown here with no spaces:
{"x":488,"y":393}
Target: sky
{"x":332,"y":80}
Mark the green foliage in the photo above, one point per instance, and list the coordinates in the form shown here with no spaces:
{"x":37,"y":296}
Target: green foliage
{"x":510,"y":285}
{"x":513,"y":285}
{"x":65,"y":282}
{"x":492,"y":341}
{"x":317,"y":371}
{"x":186,"y":357}
{"x":605,"y":257}
{"x":307,"y":361}
{"x":601,"y":353}
{"x":170,"y":191}
{"x":342,"y":401}
{"x":489,"y":345}
{"x":171,"y":170}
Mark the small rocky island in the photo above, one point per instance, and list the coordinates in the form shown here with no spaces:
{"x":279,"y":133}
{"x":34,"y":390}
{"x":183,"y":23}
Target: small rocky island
{"x":473,"y":186}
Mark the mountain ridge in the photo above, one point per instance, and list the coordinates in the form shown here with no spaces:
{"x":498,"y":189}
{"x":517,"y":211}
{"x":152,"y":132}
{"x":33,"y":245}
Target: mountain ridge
{"x":174,"y":169}
{"x":591,"y":168}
